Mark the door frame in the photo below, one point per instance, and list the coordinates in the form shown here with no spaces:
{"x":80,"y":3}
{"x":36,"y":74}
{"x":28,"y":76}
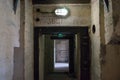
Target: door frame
{"x":46,"y":30}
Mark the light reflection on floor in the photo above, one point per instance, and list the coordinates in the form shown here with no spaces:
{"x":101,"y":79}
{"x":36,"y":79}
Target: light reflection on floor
{"x":61,"y":67}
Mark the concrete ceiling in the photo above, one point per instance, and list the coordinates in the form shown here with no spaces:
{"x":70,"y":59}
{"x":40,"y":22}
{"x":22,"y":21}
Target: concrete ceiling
{"x":60,"y":1}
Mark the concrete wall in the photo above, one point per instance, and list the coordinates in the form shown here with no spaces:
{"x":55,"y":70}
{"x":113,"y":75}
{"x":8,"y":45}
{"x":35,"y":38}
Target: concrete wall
{"x":9,"y":37}
{"x":41,"y":56}
{"x":110,"y":68}
{"x":28,"y":37}
{"x":108,"y":22}
{"x":77,"y":56}
{"x":95,"y":40}
{"x":19,"y":51}
{"x":48,"y":55}
{"x":116,"y":21}
{"x":110,"y":48}
{"x":62,"y":51}
{"x":79,"y":15}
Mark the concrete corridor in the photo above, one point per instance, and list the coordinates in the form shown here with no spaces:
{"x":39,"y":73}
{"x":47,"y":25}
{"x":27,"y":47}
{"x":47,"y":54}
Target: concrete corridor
{"x":21,"y":56}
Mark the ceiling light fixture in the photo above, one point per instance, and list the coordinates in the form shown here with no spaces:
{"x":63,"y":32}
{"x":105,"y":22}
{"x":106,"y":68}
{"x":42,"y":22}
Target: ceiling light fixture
{"x":63,"y":12}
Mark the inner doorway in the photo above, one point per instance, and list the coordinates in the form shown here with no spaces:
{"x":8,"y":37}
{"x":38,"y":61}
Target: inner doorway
{"x":61,"y":55}
{"x":74,"y":68}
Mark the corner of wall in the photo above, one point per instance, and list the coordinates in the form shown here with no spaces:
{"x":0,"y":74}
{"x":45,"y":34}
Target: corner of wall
{"x":28,"y":45}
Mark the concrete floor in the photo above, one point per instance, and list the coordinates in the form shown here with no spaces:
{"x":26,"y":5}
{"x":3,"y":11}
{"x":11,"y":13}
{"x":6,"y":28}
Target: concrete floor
{"x":60,"y":72}
{"x":59,"y":76}
{"x":61,"y":67}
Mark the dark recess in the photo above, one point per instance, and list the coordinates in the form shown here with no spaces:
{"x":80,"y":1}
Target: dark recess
{"x":59,"y":1}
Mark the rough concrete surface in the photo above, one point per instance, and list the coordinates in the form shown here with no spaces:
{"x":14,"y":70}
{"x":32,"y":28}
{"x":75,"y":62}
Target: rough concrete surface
{"x":28,"y":36}
{"x":79,"y":15}
{"x":110,"y":69}
{"x":108,"y":22}
{"x":116,"y":21}
{"x":9,"y":37}
{"x":95,"y":41}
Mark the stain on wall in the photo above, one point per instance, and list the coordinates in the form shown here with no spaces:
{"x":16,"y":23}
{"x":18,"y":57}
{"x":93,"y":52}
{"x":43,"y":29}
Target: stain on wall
{"x":116,"y":21}
{"x":110,"y":69}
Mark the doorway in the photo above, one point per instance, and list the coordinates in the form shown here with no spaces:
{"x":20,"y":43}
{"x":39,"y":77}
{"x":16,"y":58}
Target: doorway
{"x":61,"y":55}
{"x":49,"y":39}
